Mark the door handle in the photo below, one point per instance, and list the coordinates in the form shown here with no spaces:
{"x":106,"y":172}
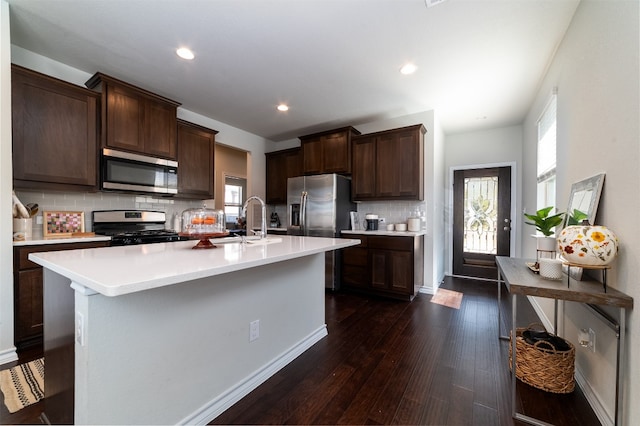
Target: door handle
{"x":507,"y":227}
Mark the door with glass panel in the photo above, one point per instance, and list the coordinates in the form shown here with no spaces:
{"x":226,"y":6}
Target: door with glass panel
{"x":481,"y":220}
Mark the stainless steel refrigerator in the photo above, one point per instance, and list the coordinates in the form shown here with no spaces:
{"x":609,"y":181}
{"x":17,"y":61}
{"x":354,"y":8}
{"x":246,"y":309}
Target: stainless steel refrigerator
{"x":319,"y":206}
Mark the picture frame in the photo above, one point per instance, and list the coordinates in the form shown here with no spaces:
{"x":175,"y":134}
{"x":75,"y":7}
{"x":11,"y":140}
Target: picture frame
{"x":62,"y":224}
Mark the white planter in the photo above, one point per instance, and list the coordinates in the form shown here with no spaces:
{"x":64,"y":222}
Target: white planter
{"x":546,"y":243}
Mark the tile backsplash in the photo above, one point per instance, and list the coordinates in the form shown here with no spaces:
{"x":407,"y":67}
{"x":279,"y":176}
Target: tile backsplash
{"x":89,"y":201}
{"x":392,"y":211}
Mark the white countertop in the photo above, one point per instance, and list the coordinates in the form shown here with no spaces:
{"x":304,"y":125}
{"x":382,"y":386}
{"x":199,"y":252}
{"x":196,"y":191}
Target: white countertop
{"x":386,"y":233}
{"x":62,"y":240}
{"x":114,"y":271}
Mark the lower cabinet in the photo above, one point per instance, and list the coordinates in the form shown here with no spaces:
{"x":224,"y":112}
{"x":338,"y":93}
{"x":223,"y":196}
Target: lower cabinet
{"x":28,"y":291}
{"x":389,"y":266}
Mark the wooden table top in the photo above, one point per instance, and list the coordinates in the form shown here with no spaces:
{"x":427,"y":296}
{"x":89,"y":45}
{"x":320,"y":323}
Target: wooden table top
{"x":519,"y":279}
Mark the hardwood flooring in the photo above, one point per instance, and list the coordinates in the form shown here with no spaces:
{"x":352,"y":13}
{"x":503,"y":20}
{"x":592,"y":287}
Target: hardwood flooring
{"x":391,"y":362}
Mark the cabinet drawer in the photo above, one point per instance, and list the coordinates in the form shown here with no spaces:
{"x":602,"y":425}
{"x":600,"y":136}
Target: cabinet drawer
{"x":391,"y":243}
{"x":364,"y":239}
{"x":21,"y":254}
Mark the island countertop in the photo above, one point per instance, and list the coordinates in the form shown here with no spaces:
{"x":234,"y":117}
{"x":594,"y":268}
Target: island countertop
{"x":115,"y":271}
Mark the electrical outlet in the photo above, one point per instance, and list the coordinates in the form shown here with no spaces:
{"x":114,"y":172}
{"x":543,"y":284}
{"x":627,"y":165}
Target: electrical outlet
{"x":254,"y":330}
{"x":382,"y":220}
{"x":79,"y":328}
{"x":592,"y":340}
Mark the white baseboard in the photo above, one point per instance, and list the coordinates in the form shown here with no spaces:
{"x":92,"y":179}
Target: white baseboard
{"x":596,"y":404}
{"x":217,"y":406}
{"x":8,"y":355}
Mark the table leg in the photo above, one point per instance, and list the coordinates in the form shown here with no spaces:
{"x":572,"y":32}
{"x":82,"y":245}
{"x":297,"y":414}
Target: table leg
{"x":500,"y":335}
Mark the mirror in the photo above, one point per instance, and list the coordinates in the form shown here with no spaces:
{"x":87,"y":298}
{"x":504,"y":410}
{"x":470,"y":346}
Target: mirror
{"x":583,"y":200}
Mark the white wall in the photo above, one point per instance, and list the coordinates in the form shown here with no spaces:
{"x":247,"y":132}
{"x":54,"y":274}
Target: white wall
{"x":484,"y":148}
{"x":596,"y":71}
{"x":7,"y":350}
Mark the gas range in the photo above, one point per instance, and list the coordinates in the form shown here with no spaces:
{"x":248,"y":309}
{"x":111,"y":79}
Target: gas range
{"x":130,"y":227}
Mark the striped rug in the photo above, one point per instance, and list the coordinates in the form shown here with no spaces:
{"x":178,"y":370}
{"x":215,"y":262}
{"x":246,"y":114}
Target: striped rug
{"x":22,"y":385}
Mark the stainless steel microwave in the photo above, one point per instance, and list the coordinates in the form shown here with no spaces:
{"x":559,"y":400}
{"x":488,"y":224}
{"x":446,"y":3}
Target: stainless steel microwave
{"x":125,"y":171}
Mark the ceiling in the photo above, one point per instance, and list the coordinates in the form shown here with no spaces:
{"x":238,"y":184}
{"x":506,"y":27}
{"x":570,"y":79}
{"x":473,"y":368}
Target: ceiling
{"x":334,"y":62}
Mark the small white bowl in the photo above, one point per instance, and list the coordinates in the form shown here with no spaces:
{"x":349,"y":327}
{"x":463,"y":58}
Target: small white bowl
{"x":390,"y":227}
{"x":401,"y":226}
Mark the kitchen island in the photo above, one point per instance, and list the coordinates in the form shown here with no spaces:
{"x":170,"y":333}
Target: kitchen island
{"x":163,"y":334}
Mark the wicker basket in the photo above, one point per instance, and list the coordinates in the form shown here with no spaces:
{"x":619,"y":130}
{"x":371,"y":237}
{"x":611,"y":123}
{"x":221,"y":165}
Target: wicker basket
{"x":541,"y":367}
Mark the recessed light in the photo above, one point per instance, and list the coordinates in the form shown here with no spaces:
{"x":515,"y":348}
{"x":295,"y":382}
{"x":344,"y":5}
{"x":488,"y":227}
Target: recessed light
{"x":283,"y":107}
{"x":185,"y":53}
{"x":408,"y":69}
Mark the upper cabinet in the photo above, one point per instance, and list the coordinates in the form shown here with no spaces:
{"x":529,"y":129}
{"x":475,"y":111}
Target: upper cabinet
{"x":196,"y":150}
{"x":55,"y":133}
{"x":389,"y":165}
{"x":327,"y":152}
{"x":136,"y":120}
{"x":281,"y":165}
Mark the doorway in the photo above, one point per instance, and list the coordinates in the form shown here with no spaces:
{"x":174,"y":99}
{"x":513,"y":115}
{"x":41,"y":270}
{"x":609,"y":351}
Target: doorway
{"x":481,"y":220}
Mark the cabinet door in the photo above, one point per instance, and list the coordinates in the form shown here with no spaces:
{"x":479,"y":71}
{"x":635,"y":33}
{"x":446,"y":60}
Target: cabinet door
{"x":28,"y":305}
{"x":401,"y":272}
{"x":196,"y":150}
{"x":55,"y":133}
{"x":388,"y":166}
{"x":378,"y":260}
{"x":336,"y":153}
{"x":125,"y":119}
{"x":160,"y":128}
{"x":363,"y":183}
{"x":410,"y":161}
{"x":312,"y":156}
{"x":276,"y":174}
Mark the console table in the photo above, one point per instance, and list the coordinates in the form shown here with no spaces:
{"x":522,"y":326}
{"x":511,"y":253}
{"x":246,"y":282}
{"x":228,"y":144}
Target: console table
{"x":519,"y":280}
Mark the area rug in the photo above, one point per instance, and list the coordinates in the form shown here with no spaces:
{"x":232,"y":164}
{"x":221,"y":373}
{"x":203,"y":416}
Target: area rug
{"x":448,"y":298}
{"x":22,"y":385}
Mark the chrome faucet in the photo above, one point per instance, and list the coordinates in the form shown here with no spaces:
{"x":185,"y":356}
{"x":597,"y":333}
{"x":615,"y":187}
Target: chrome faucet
{"x":263,"y":224}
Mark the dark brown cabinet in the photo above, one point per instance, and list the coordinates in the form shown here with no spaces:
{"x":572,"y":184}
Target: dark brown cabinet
{"x":55,"y":133}
{"x":196,"y":155}
{"x":281,"y":165}
{"x":327,"y":152}
{"x":28,"y":292}
{"x":136,"y":120}
{"x":389,"y":165}
{"x":355,"y":264}
{"x":390,"y":266}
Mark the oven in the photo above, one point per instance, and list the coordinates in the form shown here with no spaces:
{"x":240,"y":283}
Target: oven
{"x":130,"y":227}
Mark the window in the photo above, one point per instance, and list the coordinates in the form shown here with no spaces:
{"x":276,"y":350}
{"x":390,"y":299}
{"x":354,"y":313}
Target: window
{"x":234,"y":196}
{"x":547,"y":155}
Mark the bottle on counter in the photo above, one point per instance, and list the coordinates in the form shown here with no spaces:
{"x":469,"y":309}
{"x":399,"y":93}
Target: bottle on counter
{"x":177,"y":222}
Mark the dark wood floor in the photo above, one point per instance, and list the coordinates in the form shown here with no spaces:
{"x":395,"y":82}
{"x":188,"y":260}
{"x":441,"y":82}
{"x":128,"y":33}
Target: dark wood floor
{"x":387,"y":362}
{"x":391,"y":362}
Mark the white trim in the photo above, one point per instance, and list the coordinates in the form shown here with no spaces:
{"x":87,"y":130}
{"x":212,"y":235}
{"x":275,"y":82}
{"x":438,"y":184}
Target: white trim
{"x":514,"y":216}
{"x":592,"y":397}
{"x":427,"y":290}
{"x":217,"y":406}
{"x":8,"y":355}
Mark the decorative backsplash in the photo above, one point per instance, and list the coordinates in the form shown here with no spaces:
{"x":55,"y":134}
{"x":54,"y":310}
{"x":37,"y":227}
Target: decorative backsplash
{"x":88,"y":202}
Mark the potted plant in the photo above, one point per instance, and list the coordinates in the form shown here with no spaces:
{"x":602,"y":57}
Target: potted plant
{"x":545,"y":224}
